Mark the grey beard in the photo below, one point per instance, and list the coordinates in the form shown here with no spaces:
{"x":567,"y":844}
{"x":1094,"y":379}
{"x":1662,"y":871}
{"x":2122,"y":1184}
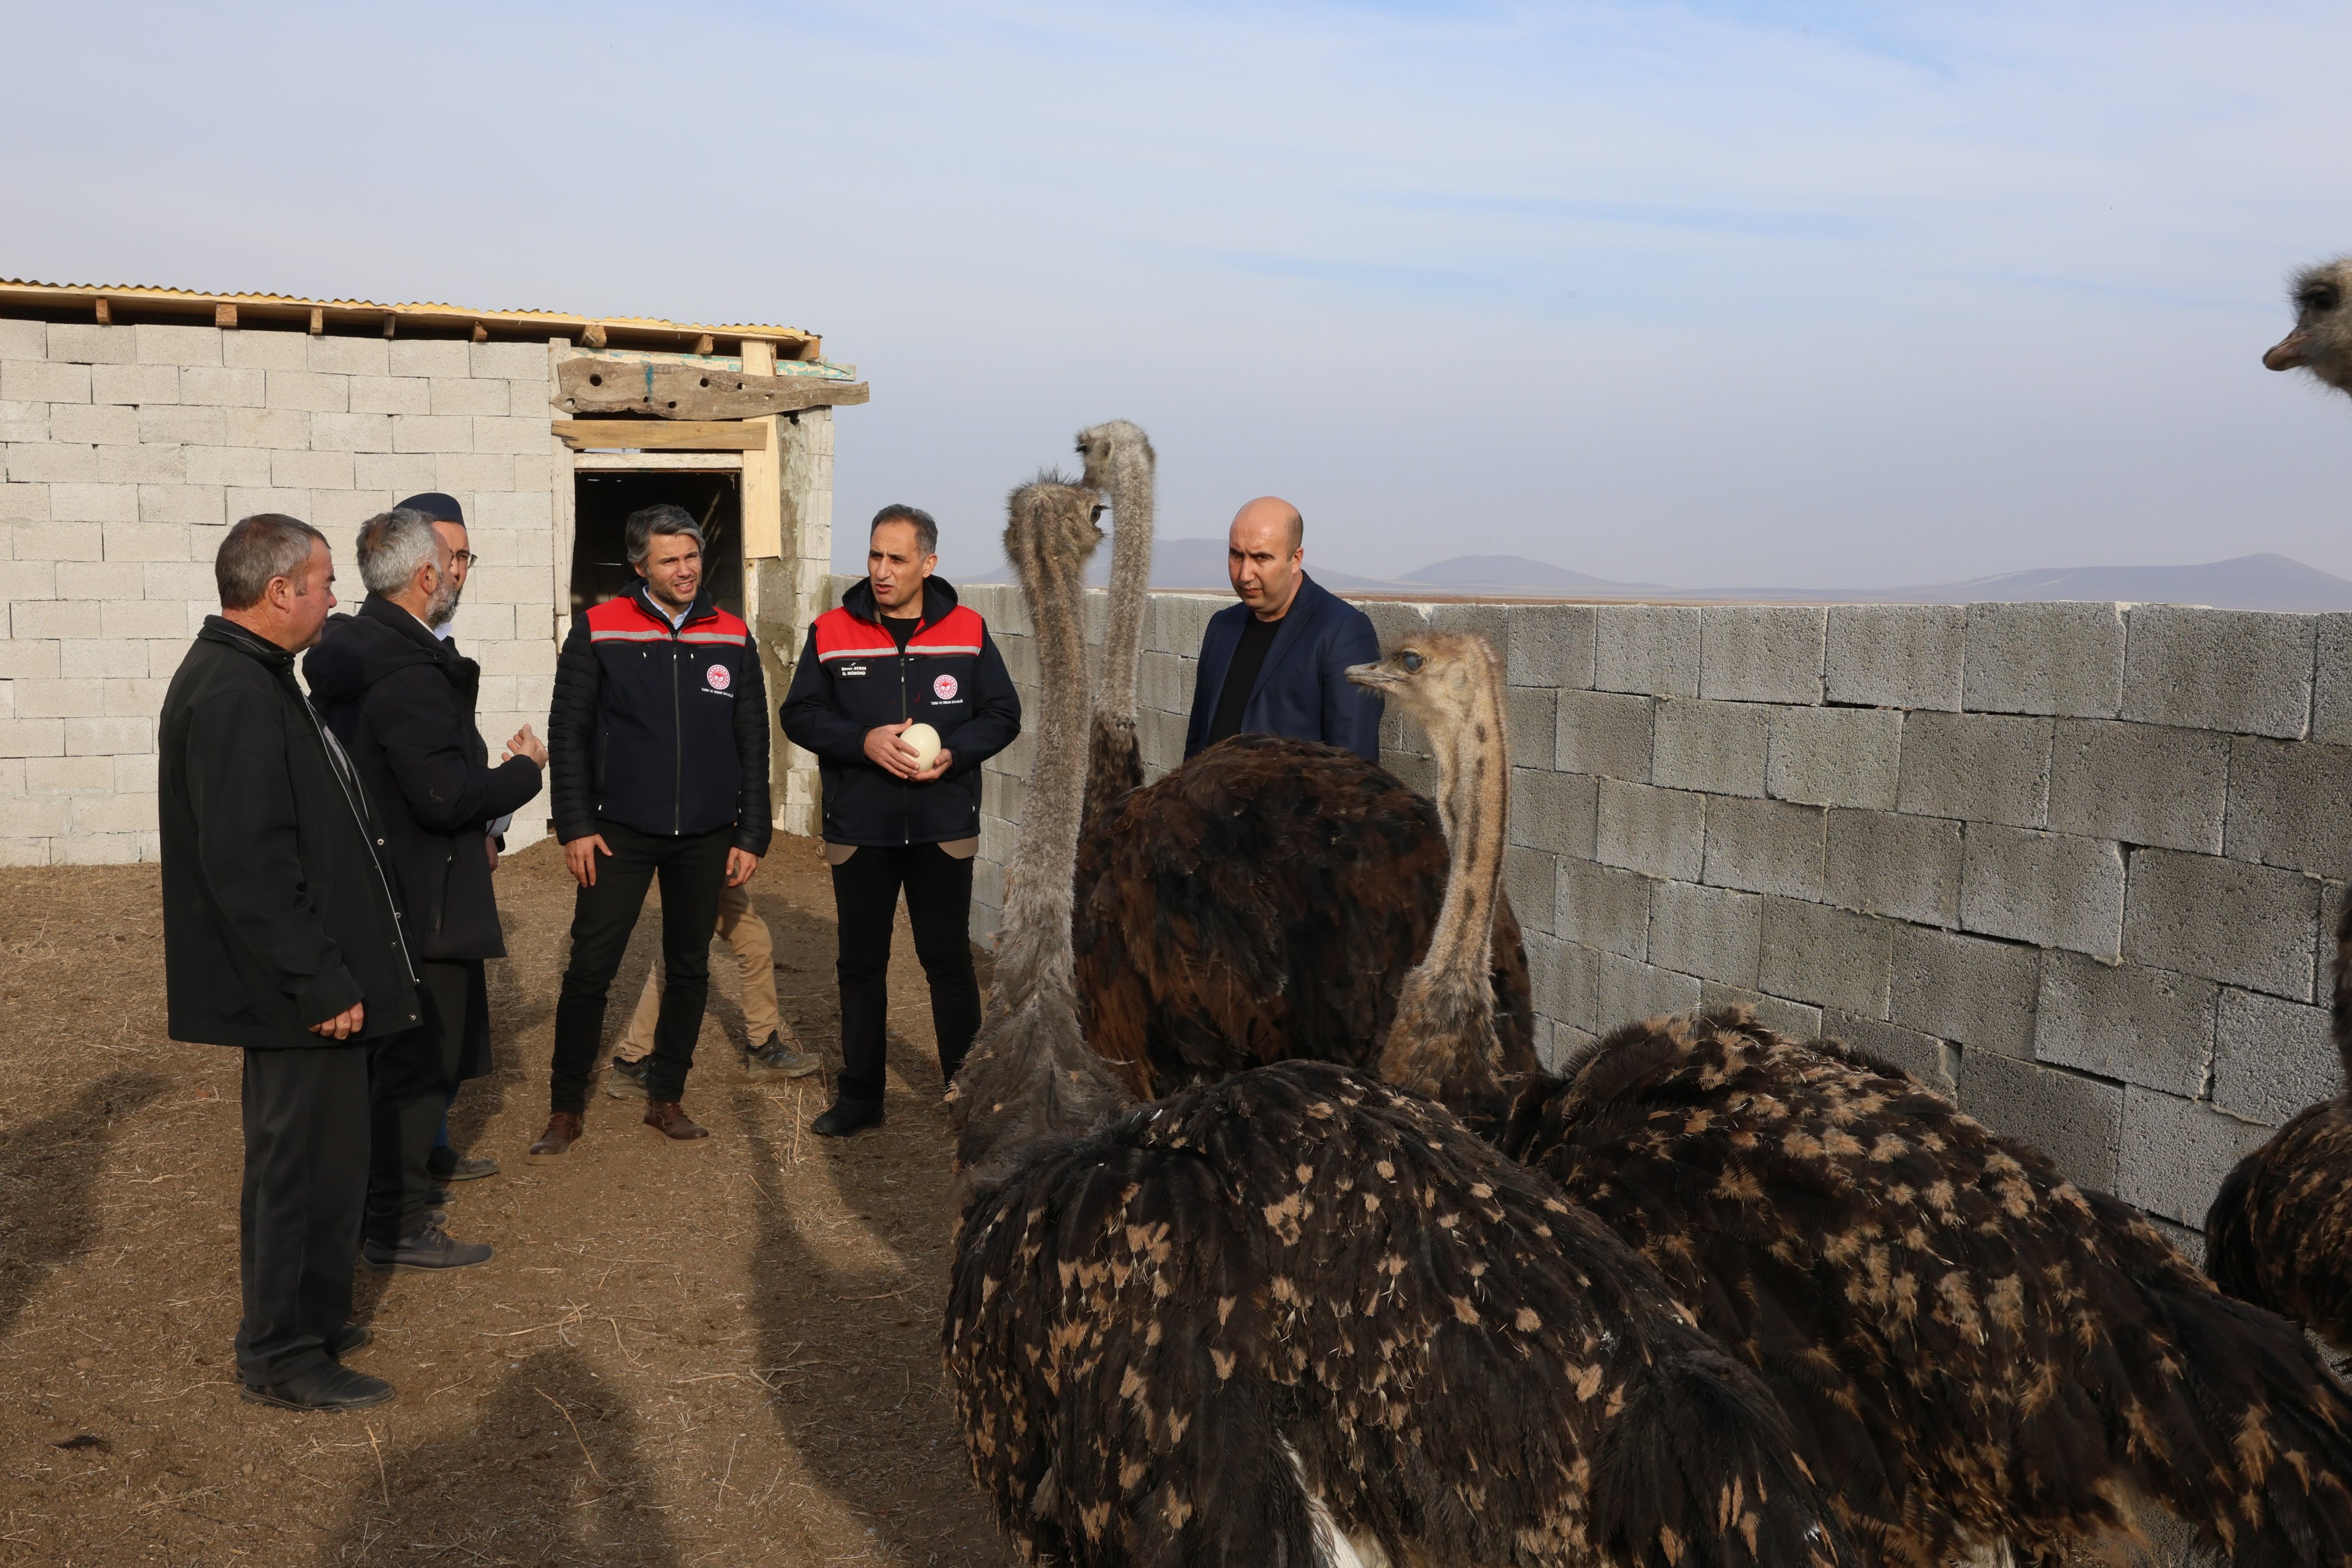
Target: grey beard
{"x":442,"y":608}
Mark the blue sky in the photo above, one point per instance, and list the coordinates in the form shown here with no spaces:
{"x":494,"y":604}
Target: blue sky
{"x":1705,"y":294}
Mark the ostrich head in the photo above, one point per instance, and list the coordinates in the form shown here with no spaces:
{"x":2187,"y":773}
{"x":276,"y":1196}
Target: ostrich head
{"x":1436,"y":676}
{"x":1116,"y":454}
{"x":2322,"y":340}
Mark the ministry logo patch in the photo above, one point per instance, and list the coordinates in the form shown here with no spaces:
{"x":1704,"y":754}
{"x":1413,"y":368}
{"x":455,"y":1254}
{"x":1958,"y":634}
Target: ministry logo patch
{"x":944,"y":688}
{"x":719,"y":678}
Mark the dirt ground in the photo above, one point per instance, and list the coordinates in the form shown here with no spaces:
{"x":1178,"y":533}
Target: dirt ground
{"x":722,"y":1350}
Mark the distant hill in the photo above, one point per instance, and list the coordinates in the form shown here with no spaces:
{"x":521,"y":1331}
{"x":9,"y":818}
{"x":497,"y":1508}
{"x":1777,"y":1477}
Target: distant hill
{"x":2244,"y":582}
{"x":1472,"y":573}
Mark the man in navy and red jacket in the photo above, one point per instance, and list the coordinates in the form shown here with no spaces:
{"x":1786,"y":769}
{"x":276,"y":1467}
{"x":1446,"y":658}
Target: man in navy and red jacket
{"x":900,"y":651}
{"x":659,"y":745}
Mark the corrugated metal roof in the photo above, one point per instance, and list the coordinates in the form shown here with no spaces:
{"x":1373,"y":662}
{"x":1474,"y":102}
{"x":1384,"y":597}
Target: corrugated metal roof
{"x":102,"y":300}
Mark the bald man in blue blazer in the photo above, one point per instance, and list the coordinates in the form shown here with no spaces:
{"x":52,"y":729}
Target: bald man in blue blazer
{"x":1275,"y":663}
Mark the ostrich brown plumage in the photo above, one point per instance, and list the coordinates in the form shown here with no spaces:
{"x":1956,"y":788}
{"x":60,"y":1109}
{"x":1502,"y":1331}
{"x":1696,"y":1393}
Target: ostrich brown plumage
{"x":2322,"y":340}
{"x":2280,"y":1231}
{"x":1301,"y":1317}
{"x":1972,"y":1351}
{"x":1264,"y":902}
{"x":1120,"y":465}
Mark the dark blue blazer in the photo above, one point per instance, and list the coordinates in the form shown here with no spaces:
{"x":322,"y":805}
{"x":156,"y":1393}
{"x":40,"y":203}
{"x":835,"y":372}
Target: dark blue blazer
{"x":1302,"y":690}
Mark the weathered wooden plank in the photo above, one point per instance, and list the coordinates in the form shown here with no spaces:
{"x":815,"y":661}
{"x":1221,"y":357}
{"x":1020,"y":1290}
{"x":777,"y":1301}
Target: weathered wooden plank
{"x":591,"y":385}
{"x":663,"y":435}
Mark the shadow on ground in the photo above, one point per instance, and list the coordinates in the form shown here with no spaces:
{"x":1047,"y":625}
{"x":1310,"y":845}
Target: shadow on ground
{"x":48,"y":1178}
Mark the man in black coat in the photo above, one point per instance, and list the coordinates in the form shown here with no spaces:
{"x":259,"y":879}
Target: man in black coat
{"x":402,"y":701}
{"x":281,"y":936}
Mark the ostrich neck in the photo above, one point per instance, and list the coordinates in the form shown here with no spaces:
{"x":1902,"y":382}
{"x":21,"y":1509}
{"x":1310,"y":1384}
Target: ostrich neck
{"x":1130,"y":579}
{"x":1036,"y":939}
{"x":1473,"y":803}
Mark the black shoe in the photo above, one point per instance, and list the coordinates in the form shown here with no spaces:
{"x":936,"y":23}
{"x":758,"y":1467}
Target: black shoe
{"x":847,"y":1116}
{"x":326,"y":1387}
{"x":439,"y":1197}
{"x":457,"y":1167}
{"x":772,"y":1055}
{"x":349,"y":1338}
{"x":627,"y":1080}
{"x":430,"y":1248}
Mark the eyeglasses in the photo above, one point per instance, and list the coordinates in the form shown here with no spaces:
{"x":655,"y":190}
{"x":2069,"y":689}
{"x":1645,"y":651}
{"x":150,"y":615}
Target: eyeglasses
{"x":463,"y":557}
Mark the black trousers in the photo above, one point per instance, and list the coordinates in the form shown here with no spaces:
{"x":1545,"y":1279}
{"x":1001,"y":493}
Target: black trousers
{"x":692,"y":871}
{"x":306,"y":1172}
{"x":411,"y":1076}
{"x":938,"y":906}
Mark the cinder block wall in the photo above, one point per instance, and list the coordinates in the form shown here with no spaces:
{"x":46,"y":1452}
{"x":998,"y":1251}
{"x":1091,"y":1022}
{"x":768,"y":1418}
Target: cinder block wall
{"x":125,"y":452}
{"x":2074,"y":863}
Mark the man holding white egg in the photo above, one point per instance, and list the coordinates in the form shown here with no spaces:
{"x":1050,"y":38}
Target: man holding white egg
{"x":902,"y":695}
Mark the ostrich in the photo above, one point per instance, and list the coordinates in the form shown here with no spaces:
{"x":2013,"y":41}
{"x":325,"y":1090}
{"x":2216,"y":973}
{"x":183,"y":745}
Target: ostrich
{"x":2322,"y":340}
{"x":1119,"y":463}
{"x":1972,"y":1351}
{"x":1301,"y":1317}
{"x":1265,"y":900}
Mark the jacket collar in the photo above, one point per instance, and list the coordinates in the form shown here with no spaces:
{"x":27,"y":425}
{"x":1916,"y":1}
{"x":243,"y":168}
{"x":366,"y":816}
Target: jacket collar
{"x":221,"y":629}
{"x":940,"y":597}
{"x":379,"y":609}
{"x":700,"y":610}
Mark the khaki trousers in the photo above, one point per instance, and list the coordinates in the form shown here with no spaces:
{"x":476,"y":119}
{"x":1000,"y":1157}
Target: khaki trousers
{"x":741,"y":928}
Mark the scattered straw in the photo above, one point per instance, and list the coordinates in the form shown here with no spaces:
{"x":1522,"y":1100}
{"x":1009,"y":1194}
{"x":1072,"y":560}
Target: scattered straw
{"x":576,"y":1438}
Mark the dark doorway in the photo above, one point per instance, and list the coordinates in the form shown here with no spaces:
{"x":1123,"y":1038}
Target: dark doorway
{"x":601,"y":505}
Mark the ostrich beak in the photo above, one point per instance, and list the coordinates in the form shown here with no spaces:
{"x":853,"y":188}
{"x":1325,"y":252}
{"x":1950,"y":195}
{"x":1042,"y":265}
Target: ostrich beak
{"x":1375,"y":675}
{"x":2288,"y":352}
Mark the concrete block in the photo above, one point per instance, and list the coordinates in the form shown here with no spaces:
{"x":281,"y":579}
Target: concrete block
{"x":2271,"y":1058}
{"x":184,"y":425}
{"x":140,"y":698}
{"x":92,"y":344}
{"x":102,"y":424}
{"x":2141,"y":783}
{"x":1830,"y":958}
{"x":1710,"y":932}
{"x":2150,"y":1027}
{"x":244,"y":503}
{"x":400,"y":473}
{"x":224,"y":465}
{"x":466,"y":395}
{"x":1531,"y":882}
{"x":351,"y":431}
{"x":2331,"y":683}
{"x":141,"y":465}
{"x":39,"y":380}
{"x":1563,"y":980}
{"x":266,"y":348}
{"x":1719,"y":746}
{"x":1976,"y":768}
{"x":1765,"y":846}
{"x":2290,"y":805}
{"x":113,"y":813}
{"x":1884,"y":863}
{"x":352,"y":356}
{"x":1531,"y":719}
{"x":190,"y":582}
{"x":25,"y":852}
{"x":275,"y":429}
{"x":99,"y":579}
{"x":143,"y":618}
{"x":1552,"y":644}
{"x":61,"y":541}
{"x":35,"y":817}
{"x":22,"y":658}
{"x":23,"y":502}
{"x":1795,"y":1019}
{"x":1649,"y":649}
{"x":1490,"y":623}
{"x":1835,"y":757}
{"x":390,"y":394}
{"x":1605,"y":733}
{"x":224,"y":388}
{"x":509,"y":362}
{"x":21,"y":339}
{"x":1659,"y":832}
{"x":308,"y":390}
{"x":2053,"y":890}
{"x":46,"y":464}
{"x":194,"y":504}
{"x":161,"y":345}
{"x":67,"y":775}
{"x":2238,"y":670}
{"x":2076,"y":1121}
{"x":311,"y":470}
{"x":2249,"y":925}
{"x":429,"y":357}
{"x":511,"y":435}
{"x":141,"y":385}
{"x":73,"y":697}
{"x":427,"y":432}
{"x":94,"y":503}
{"x":2064,"y":659}
{"x":1933,"y":1063}
{"x":108,"y":736}
{"x":1761,"y":653}
{"x":1552,"y":811}
{"x":97,"y":849}
{"x":1602,"y":906}
{"x":24,"y":421}
{"x":32,"y":737}
{"x":1626,"y":992}
{"x":2175,"y":1153}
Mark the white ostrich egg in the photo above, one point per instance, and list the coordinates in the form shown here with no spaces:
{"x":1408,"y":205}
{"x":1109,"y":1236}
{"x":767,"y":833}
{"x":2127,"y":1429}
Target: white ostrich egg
{"x":923,"y":741}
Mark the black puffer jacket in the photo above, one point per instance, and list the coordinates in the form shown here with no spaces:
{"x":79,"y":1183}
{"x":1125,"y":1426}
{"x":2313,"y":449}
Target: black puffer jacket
{"x":659,"y":729}
{"x":276,"y":912}
{"x":402,"y":702}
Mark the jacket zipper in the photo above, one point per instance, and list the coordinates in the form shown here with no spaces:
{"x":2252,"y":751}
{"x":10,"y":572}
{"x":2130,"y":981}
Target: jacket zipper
{"x":906,"y":792}
{"x":677,"y":739}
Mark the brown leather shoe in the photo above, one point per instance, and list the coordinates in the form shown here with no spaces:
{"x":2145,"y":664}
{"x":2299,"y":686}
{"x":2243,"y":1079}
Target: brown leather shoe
{"x":669,"y":1118}
{"x":563,"y":1132}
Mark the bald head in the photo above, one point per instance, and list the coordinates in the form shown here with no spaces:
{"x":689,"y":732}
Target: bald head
{"x":1263,"y":551}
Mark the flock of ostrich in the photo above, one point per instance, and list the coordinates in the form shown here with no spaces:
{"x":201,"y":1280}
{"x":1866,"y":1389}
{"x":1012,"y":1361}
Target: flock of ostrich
{"x":1275,"y":1244}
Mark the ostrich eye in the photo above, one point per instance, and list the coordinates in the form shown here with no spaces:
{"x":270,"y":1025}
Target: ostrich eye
{"x":1411,"y":661}
{"x":1098,"y":515}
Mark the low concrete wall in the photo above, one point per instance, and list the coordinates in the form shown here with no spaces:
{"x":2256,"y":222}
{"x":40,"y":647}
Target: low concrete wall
{"x":2073,"y":863}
